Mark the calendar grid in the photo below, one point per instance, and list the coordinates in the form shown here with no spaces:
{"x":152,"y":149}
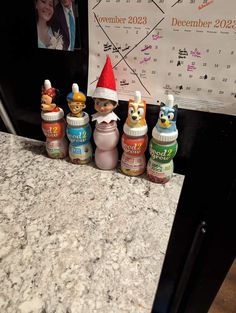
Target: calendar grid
{"x":186,"y":48}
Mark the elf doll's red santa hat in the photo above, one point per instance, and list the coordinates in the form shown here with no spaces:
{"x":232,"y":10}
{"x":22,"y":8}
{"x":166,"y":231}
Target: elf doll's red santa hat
{"x":106,"y":85}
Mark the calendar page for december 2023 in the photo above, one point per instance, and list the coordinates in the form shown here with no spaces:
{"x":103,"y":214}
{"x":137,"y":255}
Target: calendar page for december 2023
{"x":186,"y":48}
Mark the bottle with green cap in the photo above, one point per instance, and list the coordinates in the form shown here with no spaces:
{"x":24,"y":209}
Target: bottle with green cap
{"x":163,"y":145}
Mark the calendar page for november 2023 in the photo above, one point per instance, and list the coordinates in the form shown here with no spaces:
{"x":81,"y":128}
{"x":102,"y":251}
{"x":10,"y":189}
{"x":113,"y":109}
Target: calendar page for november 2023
{"x":186,"y":48}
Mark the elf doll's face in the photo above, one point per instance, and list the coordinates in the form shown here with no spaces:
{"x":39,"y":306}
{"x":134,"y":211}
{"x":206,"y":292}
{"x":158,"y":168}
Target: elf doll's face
{"x":104,"y":106}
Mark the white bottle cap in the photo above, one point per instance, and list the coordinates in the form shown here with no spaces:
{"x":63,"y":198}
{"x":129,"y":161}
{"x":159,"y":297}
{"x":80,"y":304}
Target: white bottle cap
{"x":135,"y":131}
{"x":52,"y":116}
{"x":164,"y":137}
{"x":137,"y":96}
{"x":75,"y":88}
{"x":170,"y":101}
{"x":77,"y":121}
{"x":47,"y":84}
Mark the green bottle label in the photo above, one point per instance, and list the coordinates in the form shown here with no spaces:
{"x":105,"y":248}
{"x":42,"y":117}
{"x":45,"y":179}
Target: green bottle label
{"x":162,"y":153}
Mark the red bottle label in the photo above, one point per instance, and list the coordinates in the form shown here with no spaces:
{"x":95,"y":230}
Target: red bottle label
{"x":53,"y":130}
{"x":134,"y":146}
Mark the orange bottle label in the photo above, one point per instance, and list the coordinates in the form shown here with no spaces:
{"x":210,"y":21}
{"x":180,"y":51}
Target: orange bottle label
{"x":53,"y":130}
{"x":134,"y":146}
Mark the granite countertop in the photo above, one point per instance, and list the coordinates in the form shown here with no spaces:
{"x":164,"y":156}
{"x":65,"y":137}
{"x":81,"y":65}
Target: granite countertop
{"x":76,"y":239}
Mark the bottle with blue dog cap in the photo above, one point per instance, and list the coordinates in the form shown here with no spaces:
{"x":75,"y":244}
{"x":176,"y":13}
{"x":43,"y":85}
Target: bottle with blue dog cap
{"x":163,"y":145}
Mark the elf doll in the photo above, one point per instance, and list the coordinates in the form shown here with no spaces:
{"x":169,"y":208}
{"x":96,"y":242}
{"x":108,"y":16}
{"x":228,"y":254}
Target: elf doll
{"x":106,"y":134}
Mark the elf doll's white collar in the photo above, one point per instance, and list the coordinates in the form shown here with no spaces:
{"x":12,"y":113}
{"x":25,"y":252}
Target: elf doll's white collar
{"x":104,"y":118}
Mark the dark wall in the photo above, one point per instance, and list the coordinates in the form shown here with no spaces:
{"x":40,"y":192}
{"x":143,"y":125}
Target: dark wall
{"x":24,"y":67}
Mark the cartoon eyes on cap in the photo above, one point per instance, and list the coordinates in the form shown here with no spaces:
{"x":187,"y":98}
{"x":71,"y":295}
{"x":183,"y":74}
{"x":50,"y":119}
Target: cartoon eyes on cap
{"x":140,"y":111}
{"x":131,"y":110}
{"x":170,"y":116}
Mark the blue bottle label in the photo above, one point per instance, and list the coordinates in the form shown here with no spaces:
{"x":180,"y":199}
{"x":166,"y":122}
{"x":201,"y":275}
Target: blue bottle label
{"x":79,"y":135}
{"x":80,"y":154}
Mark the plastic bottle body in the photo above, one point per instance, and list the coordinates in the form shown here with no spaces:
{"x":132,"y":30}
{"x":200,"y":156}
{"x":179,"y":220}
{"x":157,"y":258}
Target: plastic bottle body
{"x":134,"y":146}
{"x":79,"y":132}
{"x":133,"y":161}
{"x":134,"y":143}
{"x":133,"y":166}
{"x":53,"y":127}
{"x":160,"y":164}
{"x":162,"y":152}
{"x":159,"y":172}
{"x":106,"y":137}
{"x":57,"y":149}
{"x":80,"y":154}
{"x":106,"y":159}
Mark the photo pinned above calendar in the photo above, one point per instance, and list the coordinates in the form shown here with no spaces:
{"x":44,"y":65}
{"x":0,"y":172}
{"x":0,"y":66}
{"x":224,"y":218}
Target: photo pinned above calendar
{"x":186,"y":48}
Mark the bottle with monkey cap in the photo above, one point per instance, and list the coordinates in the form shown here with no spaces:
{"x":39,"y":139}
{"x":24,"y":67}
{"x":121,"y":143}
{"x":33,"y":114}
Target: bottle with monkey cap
{"x":78,"y":128}
{"x":134,"y":139}
{"x":163,"y":145}
{"x":53,"y":122}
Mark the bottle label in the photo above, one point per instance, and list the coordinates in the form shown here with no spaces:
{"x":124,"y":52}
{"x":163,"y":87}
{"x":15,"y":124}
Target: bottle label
{"x":80,"y":154}
{"x":159,"y":172}
{"x":133,"y":166}
{"x":79,"y":135}
{"x":162,"y":153}
{"x":56,"y":149}
{"x":134,"y":146}
{"x":53,"y":130}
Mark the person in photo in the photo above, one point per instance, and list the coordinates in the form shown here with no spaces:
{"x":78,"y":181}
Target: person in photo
{"x":47,"y":38}
{"x":64,"y":21}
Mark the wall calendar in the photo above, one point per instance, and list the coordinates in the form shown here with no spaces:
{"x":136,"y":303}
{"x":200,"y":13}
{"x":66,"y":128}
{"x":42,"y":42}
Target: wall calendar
{"x":185,"y":47}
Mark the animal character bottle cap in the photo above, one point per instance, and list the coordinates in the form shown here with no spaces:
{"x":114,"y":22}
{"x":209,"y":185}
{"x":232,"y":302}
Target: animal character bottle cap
{"x":76,"y":102}
{"x":135,"y":124}
{"x":165,"y":129}
{"x":48,"y":92}
{"x":106,"y":85}
{"x":50,"y":110}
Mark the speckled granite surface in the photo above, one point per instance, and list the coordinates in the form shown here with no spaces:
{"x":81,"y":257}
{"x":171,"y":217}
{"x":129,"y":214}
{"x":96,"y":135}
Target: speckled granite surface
{"x":76,"y":239}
